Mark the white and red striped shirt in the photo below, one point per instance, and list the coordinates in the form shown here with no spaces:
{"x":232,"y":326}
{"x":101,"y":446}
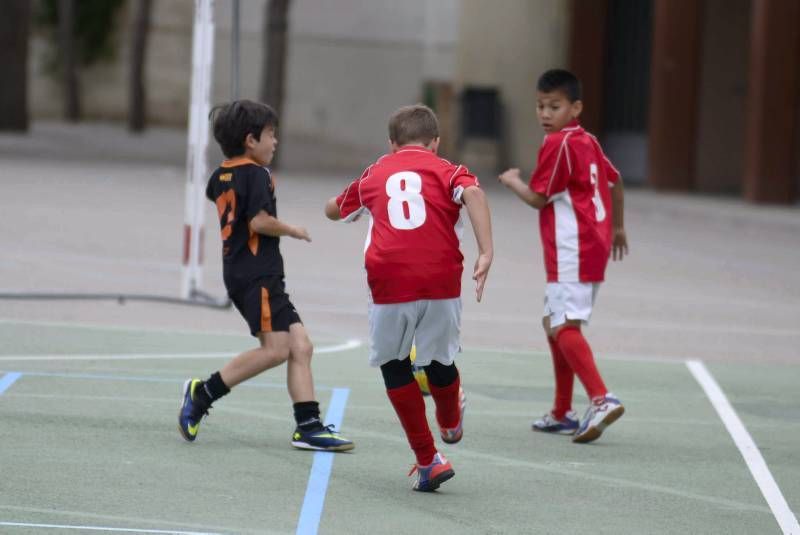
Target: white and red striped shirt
{"x":414,"y":200}
{"x":576,"y":176}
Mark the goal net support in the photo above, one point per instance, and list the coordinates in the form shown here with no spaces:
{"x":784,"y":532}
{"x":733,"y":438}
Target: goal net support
{"x":197,"y":139}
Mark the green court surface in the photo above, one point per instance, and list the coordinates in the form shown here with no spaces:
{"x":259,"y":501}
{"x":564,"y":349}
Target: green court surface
{"x":89,"y":440}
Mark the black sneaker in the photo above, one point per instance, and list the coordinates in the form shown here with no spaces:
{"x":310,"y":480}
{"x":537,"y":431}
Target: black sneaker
{"x":321,"y":439}
{"x":192,"y":411}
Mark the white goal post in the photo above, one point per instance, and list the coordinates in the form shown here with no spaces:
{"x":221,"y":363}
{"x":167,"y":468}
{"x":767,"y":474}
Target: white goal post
{"x":196,"y":166}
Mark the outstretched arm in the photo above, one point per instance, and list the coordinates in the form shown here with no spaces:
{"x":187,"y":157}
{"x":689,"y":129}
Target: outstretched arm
{"x":332,"y":211}
{"x":478,"y":211}
{"x":619,"y":245}
{"x":263,"y":223}
{"x":512,"y":181}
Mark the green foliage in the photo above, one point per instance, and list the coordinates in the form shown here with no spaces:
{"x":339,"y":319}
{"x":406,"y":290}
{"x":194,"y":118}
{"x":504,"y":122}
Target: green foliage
{"x":95,"y":24}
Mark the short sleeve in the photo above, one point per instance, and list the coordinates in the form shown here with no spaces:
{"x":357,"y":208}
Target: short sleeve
{"x":349,"y":201}
{"x":258,"y":195}
{"x":552,"y":167}
{"x":210,"y":189}
{"x":460,"y":180}
{"x":612,"y":174}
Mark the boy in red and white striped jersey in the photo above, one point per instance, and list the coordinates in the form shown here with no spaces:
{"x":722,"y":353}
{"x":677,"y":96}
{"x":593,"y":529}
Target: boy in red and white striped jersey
{"x":579,"y":195}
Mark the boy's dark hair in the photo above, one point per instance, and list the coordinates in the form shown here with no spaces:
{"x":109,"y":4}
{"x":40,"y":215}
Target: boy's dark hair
{"x":233,"y":121}
{"x":560,"y":80}
{"x":416,"y":123}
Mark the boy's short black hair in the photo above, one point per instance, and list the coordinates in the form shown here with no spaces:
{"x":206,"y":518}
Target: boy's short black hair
{"x":233,"y":121}
{"x":416,"y":123}
{"x":560,"y":80}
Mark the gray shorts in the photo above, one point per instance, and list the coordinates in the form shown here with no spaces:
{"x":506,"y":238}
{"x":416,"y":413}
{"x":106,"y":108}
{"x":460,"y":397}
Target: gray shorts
{"x":433,"y":325}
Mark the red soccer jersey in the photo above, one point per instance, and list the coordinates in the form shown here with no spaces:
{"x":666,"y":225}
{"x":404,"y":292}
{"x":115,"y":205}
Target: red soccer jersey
{"x":412,"y":249}
{"x":575,"y":225}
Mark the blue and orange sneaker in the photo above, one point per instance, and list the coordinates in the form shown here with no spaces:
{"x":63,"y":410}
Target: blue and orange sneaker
{"x":431,"y":476}
{"x":454,"y":434}
{"x":321,"y":439}
{"x":600,"y":414}
{"x":565,"y":426}
{"x":192,"y":410}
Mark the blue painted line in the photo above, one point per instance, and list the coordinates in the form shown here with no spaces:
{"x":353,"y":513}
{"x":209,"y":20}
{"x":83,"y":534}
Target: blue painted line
{"x":311,"y":512}
{"x":8,"y":379}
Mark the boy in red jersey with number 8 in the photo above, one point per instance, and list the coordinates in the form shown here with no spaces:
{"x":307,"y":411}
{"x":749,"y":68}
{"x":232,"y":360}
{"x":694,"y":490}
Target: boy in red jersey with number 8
{"x":579,"y":195}
{"x":414,"y":267}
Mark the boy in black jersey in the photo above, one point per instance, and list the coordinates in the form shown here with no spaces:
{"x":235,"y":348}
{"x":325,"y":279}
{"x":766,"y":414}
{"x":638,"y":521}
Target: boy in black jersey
{"x":244,"y":194}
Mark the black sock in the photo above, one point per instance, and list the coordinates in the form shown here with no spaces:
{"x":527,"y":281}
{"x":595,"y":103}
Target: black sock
{"x":306,"y":414}
{"x":213,"y":389}
{"x":397,"y":373}
{"x":441,"y":375}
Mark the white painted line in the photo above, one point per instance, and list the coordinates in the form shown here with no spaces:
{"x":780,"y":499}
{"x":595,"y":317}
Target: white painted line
{"x":350,"y":344}
{"x":747,"y":447}
{"x":102,"y":528}
{"x":123,"y":328}
{"x":661,"y":359}
{"x":534,"y":321}
{"x":120,"y":328}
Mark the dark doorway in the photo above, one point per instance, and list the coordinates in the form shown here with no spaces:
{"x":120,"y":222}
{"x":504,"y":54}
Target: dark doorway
{"x":627,"y":86}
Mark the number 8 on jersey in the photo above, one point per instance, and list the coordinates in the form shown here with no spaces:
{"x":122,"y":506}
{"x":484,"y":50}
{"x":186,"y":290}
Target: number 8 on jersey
{"x":406,"y":204}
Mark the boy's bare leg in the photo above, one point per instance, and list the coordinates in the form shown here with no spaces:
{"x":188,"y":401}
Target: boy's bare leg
{"x":554,"y":332}
{"x":274,"y":351}
{"x":299,"y":379}
{"x":199,"y":395}
{"x":311,"y":433}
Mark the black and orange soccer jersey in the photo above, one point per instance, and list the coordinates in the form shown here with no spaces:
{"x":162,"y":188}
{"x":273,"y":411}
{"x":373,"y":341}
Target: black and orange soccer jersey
{"x":241,"y":189}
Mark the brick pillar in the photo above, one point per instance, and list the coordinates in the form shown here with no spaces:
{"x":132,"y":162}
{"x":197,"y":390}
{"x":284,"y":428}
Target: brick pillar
{"x":774,"y":84}
{"x":587,"y":57}
{"x":674,"y":80}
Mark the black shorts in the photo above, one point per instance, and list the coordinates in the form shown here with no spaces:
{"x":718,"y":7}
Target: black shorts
{"x":265,"y":306}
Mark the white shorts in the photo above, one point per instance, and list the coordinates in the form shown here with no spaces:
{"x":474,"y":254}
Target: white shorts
{"x":569,"y":300}
{"x":433,"y":325}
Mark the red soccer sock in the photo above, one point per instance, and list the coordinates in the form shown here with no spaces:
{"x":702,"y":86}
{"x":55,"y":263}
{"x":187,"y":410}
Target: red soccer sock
{"x":448,"y":408}
{"x":410,"y":408}
{"x":565,"y":379}
{"x":578,"y":354}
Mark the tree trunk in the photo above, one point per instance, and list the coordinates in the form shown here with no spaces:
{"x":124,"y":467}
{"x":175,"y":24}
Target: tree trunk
{"x":275,"y":34}
{"x":137,"y":111}
{"x":66,"y":38}
{"x":14,"y":32}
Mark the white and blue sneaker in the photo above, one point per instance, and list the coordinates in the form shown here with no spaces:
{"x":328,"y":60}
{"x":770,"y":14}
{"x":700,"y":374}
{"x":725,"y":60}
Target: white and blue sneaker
{"x":565,"y":426}
{"x":600,"y":414}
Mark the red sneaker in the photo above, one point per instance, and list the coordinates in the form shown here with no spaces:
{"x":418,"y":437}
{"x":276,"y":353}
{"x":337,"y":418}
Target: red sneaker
{"x":431,"y":476}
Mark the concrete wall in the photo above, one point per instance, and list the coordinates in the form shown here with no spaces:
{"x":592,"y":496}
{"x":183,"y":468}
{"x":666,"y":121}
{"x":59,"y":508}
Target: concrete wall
{"x":350,"y":64}
{"x":509,"y":48}
{"x":104,"y":85}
